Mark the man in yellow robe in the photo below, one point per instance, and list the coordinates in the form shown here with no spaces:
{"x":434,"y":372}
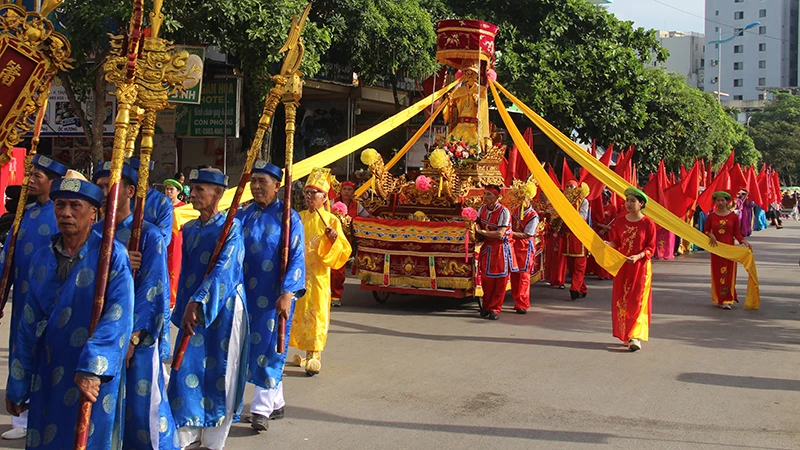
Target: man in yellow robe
{"x":326,"y":248}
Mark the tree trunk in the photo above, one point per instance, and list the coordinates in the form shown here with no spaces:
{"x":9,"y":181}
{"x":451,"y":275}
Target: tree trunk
{"x":98,"y":115}
{"x":76,"y":105}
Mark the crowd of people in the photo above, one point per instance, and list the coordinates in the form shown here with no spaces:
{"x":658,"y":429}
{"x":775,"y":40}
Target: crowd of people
{"x":231,"y":309}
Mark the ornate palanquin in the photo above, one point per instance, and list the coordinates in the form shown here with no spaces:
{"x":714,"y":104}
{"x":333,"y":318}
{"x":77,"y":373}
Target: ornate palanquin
{"x":415,"y":254}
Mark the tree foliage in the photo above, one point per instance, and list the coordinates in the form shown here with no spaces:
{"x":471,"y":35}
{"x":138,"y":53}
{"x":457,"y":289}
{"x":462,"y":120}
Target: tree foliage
{"x":590,"y":74}
{"x":776,"y":133}
{"x":380,"y":39}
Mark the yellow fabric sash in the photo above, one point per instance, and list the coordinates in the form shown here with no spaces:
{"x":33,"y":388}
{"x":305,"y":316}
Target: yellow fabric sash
{"x":324,"y":158}
{"x":658,"y":213}
{"x":405,"y":148}
{"x":607,"y":257}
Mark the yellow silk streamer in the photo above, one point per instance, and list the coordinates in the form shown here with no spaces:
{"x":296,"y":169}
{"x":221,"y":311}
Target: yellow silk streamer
{"x":301,"y":169}
{"x":658,"y":213}
{"x":607,"y":257}
{"x":405,"y":148}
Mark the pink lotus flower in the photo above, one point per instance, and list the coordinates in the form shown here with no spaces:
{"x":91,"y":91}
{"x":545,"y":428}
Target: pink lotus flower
{"x":491,"y":74}
{"x":469,"y":214}
{"x":423,"y":183}
{"x":339,"y":208}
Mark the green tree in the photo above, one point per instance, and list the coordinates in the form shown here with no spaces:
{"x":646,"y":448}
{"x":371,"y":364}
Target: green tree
{"x":683,"y":123}
{"x":776,"y":133}
{"x":249,"y":31}
{"x":380,"y":39}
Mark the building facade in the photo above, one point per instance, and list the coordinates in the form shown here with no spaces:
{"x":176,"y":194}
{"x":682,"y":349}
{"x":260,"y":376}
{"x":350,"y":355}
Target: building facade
{"x":763,"y":57}
{"x":686,"y":56}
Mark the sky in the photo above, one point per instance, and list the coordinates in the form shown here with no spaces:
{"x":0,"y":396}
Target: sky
{"x":656,"y":14}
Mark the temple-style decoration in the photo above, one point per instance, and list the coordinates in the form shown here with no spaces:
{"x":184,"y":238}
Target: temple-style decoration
{"x":31,"y":54}
{"x":160,"y":73}
{"x":469,"y":157}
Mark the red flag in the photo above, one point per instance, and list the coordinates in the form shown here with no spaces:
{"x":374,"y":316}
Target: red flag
{"x":594,"y":148}
{"x":553,"y":175}
{"x":566,"y":174}
{"x":738,"y":180}
{"x":729,"y":162}
{"x":709,"y":174}
{"x":672,"y":179}
{"x":684,"y":172}
{"x":595,"y":186}
{"x":776,"y":182}
{"x":767,"y":196}
{"x":721,"y":182}
{"x":754,"y":191}
{"x":523,"y":172}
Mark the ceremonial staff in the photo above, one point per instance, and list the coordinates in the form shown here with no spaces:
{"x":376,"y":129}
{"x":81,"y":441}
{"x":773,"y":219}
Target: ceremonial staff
{"x":121,"y":71}
{"x":156,"y":59}
{"x":288,"y":86}
{"x":39,"y":57}
{"x":5,"y":286}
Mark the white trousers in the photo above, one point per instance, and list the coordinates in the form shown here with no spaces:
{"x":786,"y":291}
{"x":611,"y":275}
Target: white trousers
{"x":265,"y":401}
{"x":214,"y":438}
{"x":21,"y":421}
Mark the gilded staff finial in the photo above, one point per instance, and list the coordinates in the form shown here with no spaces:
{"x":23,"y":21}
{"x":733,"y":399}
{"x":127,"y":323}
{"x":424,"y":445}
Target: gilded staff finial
{"x":49,"y":6}
{"x":156,"y":17}
{"x":294,"y":44}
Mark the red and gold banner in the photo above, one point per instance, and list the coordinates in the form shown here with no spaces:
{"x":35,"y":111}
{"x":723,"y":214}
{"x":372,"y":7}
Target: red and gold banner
{"x":409,"y":253}
{"x":460,"y":40}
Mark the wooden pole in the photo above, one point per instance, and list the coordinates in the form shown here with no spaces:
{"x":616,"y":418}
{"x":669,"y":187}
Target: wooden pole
{"x":5,"y":284}
{"x":126,"y":94}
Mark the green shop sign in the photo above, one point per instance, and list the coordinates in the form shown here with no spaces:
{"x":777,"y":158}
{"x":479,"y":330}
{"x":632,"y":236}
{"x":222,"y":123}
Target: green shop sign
{"x":217,"y":115}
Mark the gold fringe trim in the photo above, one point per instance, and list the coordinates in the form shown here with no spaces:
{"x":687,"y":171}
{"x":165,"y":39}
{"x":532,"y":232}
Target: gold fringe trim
{"x":418,"y":282}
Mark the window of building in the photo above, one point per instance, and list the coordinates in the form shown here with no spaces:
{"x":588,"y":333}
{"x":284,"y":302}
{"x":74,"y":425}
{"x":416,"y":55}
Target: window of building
{"x":761,"y":96}
{"x":738,"y":97}
{"x":738,"y":82}
{"x":762,"y":29}
{"x":762,"y":81}
{"x":738,"y":1}
{"x":762,"y":64}
{"x":738,"y":15}
{"x":761,"y":13}
{"x":716,"y":13}
{"x":738,"y":49}
{"x":762,"y":47}
{"x":702,"y":62}
{"x":738,"y":65}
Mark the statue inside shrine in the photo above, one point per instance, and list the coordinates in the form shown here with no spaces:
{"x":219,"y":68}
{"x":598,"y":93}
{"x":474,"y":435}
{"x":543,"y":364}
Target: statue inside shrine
{"x":467,"y":110}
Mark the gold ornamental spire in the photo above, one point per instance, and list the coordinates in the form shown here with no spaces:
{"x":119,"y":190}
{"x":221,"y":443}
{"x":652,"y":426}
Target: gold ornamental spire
{"x":49,"y":6}
{"x":156,"y":18}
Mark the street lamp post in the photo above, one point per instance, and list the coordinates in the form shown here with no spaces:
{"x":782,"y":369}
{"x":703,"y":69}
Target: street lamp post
{"x":719,"y":43}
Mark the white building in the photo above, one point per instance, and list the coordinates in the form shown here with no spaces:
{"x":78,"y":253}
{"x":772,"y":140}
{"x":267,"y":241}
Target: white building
{"x":685,"y":55}
{"x":764,"y":56}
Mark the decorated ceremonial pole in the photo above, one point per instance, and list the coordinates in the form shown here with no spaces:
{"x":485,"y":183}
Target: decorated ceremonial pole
{"x":286,"y":81}
{"x":291,"y":100}
{"x":35,"y":55}
{"x":154,"y":93}
{"x":121,"y":71}
{"x":5,"y":286}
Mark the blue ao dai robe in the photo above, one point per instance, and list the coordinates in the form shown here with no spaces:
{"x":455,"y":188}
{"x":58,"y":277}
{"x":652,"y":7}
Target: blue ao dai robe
{"x":197,"y":391}
{"x":37,"y":226}
{"x":148,"y":418}
{"x":263,"y":285}
{"x":53,"y":344}
{"x":158,"y":210}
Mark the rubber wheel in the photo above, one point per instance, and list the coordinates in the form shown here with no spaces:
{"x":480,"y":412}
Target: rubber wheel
{"x":381,"y":296}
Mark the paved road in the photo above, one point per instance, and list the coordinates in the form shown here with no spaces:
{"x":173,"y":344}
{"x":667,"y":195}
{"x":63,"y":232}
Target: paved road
{"x":423,"y":373}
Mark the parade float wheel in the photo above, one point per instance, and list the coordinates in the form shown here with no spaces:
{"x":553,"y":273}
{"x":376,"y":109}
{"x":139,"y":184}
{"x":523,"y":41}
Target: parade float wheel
{"x":381,"y":296}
